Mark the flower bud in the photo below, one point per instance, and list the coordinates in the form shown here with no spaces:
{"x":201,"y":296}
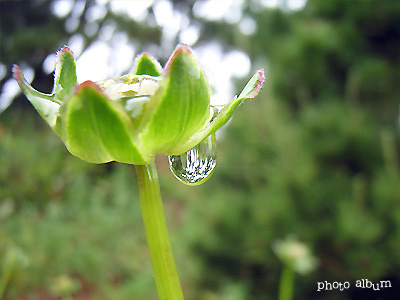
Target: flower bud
{"x":133,"y":117}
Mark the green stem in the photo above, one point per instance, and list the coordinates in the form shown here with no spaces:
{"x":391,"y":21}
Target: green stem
{"x":286,"y":284}
{"x":10,"y":261}
{"x":5,"y":277}
{"x":162,"y":258}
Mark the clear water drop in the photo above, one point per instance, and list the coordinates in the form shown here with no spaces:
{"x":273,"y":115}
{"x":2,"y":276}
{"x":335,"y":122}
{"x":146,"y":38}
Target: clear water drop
{"x":195,"y":166}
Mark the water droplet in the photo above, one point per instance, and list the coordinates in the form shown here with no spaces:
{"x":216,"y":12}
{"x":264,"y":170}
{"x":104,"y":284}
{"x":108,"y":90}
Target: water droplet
{"x":195,"y":166}
{"x":215,"y":110}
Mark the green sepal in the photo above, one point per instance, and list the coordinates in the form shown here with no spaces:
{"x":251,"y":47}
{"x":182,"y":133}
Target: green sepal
{"x":147,"y":65}
{"x":65,"y":79}
{"x":251,"y":90}
{"x":98,"y":131}
{"x":179,"y":108}
{"x":45,"y":104}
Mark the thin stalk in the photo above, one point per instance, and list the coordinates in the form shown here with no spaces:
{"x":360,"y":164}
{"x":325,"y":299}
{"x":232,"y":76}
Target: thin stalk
{"x":5,"y":277}
{"x":161,"y":256}
{"x":286,"y":284}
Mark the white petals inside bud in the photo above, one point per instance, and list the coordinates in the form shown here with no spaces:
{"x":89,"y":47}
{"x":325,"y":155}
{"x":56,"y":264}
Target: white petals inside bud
{"x":135,"y":105}
{"x":136,"y":90}
{"x":129,"y":86}
{"x":148,"y":87}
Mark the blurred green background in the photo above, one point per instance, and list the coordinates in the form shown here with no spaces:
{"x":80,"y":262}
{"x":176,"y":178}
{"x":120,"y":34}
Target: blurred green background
{"x":315,"y":155}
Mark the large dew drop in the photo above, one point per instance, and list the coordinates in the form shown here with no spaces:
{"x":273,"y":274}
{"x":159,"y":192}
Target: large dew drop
{"x":195,"y":166}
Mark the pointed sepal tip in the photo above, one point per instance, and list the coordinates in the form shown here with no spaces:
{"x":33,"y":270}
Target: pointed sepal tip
{"x":181,"y":48}
{"x":17,"y":74}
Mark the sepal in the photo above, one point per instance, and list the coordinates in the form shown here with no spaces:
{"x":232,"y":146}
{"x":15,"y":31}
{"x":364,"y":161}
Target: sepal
{"x":45,"y":104}
{"x":251,"y":90}
{"x":179,"y":108}
{"x":98,"y":130}
{"x":65,"y":79}
{"x":145,"y":64}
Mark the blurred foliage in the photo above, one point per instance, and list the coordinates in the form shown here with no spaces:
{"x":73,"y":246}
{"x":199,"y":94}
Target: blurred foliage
{"x":315,"y":155}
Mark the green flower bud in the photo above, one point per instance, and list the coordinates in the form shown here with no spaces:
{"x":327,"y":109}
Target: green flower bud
{"x":133,"y":117}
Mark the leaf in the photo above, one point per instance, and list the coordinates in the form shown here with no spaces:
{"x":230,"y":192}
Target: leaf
{"x":251,"y":90}
{"x":45,"y":104}
{"x":98,"y":131}
{"x":147,"y":65}
{"x":179,"y":108}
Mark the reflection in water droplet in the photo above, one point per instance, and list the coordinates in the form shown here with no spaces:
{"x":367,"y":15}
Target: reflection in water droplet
{"x":195,"y":166}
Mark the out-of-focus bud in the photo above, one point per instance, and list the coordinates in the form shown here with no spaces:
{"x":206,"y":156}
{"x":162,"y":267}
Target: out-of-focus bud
{"x":295,"y":255}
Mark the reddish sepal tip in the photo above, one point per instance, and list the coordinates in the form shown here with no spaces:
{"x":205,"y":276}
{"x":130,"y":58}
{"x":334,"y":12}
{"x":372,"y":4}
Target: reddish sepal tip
{"x":88,"y":84}
{"x":17,"y":74}
{"x":62,"y":51}
{"x":179,"y":49}
{"x":261,"y":80}
{"x":65,"y":49}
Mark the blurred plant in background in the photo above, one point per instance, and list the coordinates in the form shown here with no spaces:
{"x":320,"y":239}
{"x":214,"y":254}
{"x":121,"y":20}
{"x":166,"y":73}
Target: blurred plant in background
{"x":321,"y":161}
{"x":64,"y":287}
{"x":13,"y":263}
{"x":296,"y":257}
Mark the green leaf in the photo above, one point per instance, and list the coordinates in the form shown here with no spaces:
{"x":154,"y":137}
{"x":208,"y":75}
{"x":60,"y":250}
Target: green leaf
{"x":179,"y":108}
{"x":98,"y":131}
{"x":147,"y":65}
{"x":45,"y":104}
{"x":251,"y":90}
{"x":65,"y":74}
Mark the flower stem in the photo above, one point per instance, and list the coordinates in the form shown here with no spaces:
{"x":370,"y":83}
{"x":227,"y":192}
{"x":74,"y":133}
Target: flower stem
{"x":286,"y":284}
{"x":5,"y":277}
{"x":162,"y":258}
